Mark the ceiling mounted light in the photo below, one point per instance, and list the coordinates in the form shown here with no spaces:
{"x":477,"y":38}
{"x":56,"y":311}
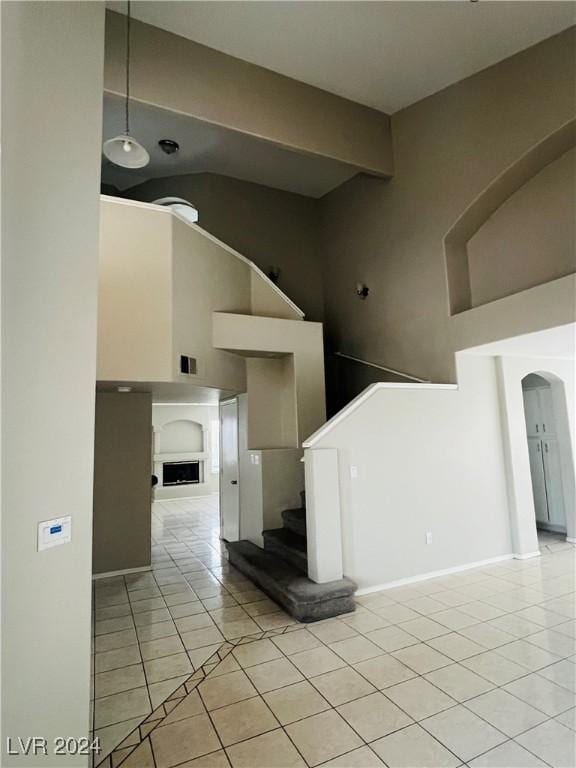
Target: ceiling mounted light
{"x":124,"y":150}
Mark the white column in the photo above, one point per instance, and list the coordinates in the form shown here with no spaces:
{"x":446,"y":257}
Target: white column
{"x":323,"y":521}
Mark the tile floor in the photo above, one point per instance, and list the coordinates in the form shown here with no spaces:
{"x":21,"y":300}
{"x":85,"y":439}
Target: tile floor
{"x":477,"y":668}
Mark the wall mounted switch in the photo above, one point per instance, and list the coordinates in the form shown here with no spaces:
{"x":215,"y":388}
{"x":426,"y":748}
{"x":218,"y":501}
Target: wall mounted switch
{"x":353,"y":472}
{"x":51,"y":533}
{"x":429,"y":537}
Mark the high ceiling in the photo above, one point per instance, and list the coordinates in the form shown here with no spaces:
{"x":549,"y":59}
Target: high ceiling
{"x":386,"y":55}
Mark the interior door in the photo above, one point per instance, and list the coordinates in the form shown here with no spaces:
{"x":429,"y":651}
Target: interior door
{"x":553,"y":476}
{"x":229,"y":488}
{"x":538,"y":479}
{"x":532,"y":412}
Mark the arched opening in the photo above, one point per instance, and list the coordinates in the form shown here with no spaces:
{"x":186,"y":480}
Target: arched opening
{"x":182,"y":436}
{"x":546,"y":421}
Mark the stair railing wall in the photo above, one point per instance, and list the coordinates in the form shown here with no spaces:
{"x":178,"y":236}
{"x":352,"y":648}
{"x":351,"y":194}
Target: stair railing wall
{"x":323,"y":518}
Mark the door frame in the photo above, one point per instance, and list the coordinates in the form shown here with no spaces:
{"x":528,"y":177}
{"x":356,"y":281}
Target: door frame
{"x":221,"y":404}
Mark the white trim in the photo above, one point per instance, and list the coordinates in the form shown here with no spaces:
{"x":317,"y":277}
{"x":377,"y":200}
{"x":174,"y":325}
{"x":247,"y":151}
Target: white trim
{"x":434,"y":574}
{"x":124,"y":572}
{"x":353,"y":405}
{"x":528,"y":555}
{"x":570,"y":540}
{"x":166,"y":210}
{"x":382,"y":368}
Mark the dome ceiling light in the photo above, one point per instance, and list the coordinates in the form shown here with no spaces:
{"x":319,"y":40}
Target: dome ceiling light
{"x":124,"y":150}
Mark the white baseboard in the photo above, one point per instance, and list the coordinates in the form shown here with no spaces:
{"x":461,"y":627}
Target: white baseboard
{"x":125,"y":572}
{"x":570,"y":540}
{"x":434,"y":574}
{"x":528,"y":555}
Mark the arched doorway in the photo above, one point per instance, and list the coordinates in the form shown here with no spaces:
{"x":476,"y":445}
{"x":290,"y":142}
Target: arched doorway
{"x":546,"y":424}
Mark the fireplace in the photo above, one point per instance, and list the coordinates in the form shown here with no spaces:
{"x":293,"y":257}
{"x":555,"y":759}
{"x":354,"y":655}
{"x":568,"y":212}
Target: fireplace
{"x":180,"y":472}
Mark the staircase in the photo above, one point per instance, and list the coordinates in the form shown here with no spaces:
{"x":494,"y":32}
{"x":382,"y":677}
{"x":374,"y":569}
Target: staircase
{"x":281,"y":568}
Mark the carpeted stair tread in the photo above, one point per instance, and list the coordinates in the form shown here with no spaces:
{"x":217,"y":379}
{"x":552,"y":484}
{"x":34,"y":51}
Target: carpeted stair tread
{"x":288,"y":545}
{"x":284,"y":583}
{"x":295,"y":520}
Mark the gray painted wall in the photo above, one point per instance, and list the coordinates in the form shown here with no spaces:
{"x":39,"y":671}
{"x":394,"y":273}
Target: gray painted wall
{"x":122,"y":481}
{"x":52,"y":59}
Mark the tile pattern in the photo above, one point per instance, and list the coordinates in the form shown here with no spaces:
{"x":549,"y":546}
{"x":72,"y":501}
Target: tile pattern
{"x":380,"y":687}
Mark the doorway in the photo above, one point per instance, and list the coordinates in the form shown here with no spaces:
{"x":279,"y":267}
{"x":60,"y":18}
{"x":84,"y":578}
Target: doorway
{"x":542,"y":430}
{"x":229,"y":473}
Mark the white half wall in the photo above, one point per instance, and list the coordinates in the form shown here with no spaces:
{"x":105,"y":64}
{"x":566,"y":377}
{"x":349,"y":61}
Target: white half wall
{"x":419,"y":462}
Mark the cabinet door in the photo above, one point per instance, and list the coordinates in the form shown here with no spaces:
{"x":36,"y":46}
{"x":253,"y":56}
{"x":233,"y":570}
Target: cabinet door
{"x":538,"y":478}
{"x":546,"y":412}
{"x":532,"y":412}
{"x":553,"y":476}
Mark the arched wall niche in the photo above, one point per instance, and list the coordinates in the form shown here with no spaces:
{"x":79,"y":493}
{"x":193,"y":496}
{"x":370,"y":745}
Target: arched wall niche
{"x":488,"y":202}
{"x":181,"y":436}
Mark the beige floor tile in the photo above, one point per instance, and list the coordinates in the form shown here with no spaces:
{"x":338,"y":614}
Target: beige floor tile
{"x":392,"y":638}
{"x":527,"y":655}
{"x":364,"y":621}
{"x":226,"y":689}
{"x":332,"y":630}
{"x":506,"y":712}
{"x":317,"y":661}
{"x":384,"y":671}
{"x":121,"y":706}
{"x":116,"y":659}
{"x":568,"y":719}
{"x":194,"y":621}
{"x":115,"y":611}
{"x":141,"y":757}
{"x":342,"y":685}
{"x":146,"y":618}
{"x":554,"y":642}
{"x":487,"y":636}
{"x":199,"y":638}
{"x":463,"y":732}
{"x":184,"y":740}
{"x":295,"y":702}
{"x":563,"y":673}
{"x":186,"y":609}
{"x":191,"y":705}
{"x":551,"y":742}
{"x":515,"y":625}
{"x":274,"y":674}
{"x":425,"y":605}
{"x":273,"y":620}
{"x":149,"y":604}
{"x":355,"y":649}
{"x":413,"y":747}
{"x":112,"y":735}
{"x":117,"y":680}
{"x":168,"y":667}
{"x":294,"y":642}
{"x":228,"y":664}
{"x":455,"y":646}
{"x":260,"y":607}
{"x":424,"y":628}
{"x":421,"y":658}
{"x":200,"y":656}
{"x":419,"y":698}
{"x":454,"y":619}
{"x":159,"y":692}
{"x":228,"y":614}
{"x":270,"y":750}
{"x":363,"y":757}
{"x":241,"y":628}
{"x":542,"y":694}
{"x":494,"y":667}
{"x":395,"y":613}
{"x":322,"y":737}
{"x":507,"y":755}
{"x":114,"y":640}
{"x":243,"y":720}
{"x":164,"y":646}
{"x":459,"y":682}
{"x":156,"y":631}
{"x":481,"y":611}
{"x":105,"y":626}
{"x":213,"y":760}
{"x":374,"y":716}
{"x":258,"y":652}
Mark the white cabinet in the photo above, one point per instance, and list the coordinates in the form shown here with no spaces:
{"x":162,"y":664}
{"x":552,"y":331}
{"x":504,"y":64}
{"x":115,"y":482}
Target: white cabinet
{"x":543,"y":451}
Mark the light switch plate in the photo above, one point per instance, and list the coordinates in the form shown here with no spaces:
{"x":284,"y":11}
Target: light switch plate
{"x":51,"y":533}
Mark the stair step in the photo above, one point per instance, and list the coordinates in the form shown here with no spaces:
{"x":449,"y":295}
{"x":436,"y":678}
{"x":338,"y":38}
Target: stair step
{"x":288,"y":545}
{"x":303,"y":499}
{"x":295,"y":520}
{"x":301,"y":598}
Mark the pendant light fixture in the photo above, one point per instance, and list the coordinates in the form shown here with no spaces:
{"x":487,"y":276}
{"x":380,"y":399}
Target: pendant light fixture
{"x":124,"y":150}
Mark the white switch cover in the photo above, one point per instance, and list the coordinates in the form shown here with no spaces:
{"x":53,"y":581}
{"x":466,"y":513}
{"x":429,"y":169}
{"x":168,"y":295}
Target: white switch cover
{"x":353,"y":472}
{"x":429,"y":537}
{"x":51,"y":533}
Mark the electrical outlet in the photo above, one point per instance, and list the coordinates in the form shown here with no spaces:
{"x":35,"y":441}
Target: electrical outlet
{"x":429,"y":537}
{"x":353,"y":472}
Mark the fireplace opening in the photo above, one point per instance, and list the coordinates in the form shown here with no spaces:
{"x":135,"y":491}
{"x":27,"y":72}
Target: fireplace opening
{"x":180,"y":472}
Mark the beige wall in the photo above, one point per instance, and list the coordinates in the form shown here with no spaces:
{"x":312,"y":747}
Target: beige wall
{"x":178,"y":74}
{"x":269,"y":226}
{"x":530,"y":239}
{"x":389,"y":234}
{"x":51,"y":134}
{"x":122,"y":481}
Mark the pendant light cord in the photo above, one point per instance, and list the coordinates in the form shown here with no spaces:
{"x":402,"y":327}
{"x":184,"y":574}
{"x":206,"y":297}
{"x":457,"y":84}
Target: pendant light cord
{"x":128,"y":20}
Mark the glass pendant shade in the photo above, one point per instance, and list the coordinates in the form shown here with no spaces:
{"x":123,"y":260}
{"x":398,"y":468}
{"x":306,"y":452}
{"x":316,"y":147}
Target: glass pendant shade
{"x":126,"y":152}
